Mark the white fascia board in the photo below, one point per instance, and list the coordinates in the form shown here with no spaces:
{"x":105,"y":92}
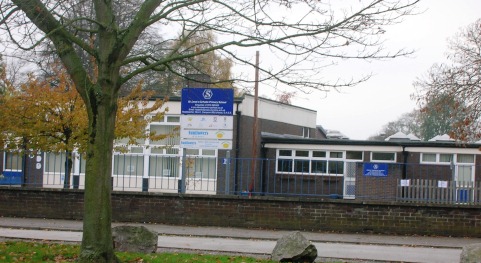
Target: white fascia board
{"x":443,"y":150}
{"x":334,"y":147}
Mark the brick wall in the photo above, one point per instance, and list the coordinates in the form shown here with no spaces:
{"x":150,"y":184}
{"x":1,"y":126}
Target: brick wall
{"x":255,"y":212}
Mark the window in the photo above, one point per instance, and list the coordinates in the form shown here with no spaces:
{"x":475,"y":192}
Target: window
{"x":136,"y":150}
{"x":201,"y":163}
{"x":301,"y":166}
{"x":173,"y":119}
{"x":284,"y":165}
{"x":336,"y":167}
{"x":302,"y":153}
{"x":164,"y":166}
{"x":206,"y":152}
{"x":305,"y":132}
{"x":192,"y":151}
{"x":319,"y":166}
{"x":445,"y":158}
{"x":13,"y":161}
{"x":129,"y":164}
{"x":201,"y":167}
{"x":82,"y":163}
{"x":433,"y":158}
{"x":318,"y":154}
{"x":465,"y":158}
{"x":354,"y":155}
{"x":383,"y":156}
{"x":285,"y":153}
{"x":335,"y":154}
{"x":312,"y":162}
{"x":170,"y":132}
{"x":428,"y":157}
{"x":54,"y":162}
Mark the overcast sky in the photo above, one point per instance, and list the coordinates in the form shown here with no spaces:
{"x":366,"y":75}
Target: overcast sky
{"x":361,"y":111}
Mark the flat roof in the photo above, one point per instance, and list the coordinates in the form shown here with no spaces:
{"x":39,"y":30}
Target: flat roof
{"x":289,"y":139}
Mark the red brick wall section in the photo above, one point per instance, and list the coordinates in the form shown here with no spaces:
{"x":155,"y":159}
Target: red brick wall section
{"x":254,"y":212}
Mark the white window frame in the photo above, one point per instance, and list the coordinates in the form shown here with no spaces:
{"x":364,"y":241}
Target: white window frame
{"x":20,"y":156}
{"x":453,"y":161}
{"x":438,"y":158}
{"x":310,"y":158}
{"x":351,"y":159}
{"x":306,"y":132}
{"x":164,"y":123}
{"x":47,"y":165}
{"x":383,"y":161}
{"x":463,"y":163}
{"x":133,"y":173}
{"x":204,"y":153}
{"x":427,"y":162}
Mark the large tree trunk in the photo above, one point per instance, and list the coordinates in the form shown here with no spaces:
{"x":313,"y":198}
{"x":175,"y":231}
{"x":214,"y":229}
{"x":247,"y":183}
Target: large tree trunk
{"x":97,"y":243}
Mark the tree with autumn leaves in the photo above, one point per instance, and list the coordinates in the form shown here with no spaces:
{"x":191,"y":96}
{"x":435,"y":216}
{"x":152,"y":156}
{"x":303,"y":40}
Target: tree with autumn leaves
{"x":49,"y":115}
{"x":453,"y":89}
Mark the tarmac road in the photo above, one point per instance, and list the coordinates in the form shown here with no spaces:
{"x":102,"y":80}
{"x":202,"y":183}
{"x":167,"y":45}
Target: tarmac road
{"x":259,"y":243}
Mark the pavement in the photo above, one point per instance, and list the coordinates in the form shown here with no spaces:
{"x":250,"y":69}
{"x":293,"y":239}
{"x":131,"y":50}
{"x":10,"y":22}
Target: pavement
{"x":331,"y":247}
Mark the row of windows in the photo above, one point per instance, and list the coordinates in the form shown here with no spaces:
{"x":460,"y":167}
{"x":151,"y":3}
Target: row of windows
{"x":348,"y":155}
{"x":165,"y":166}
{"x":443,"y":158}
{"x":164,"y":158}
{"x":315,"y":162}
{"x":353,"y":155}
{"x":168,"y":127}
{"x":310,"y":166}
{"x":199,"y":164}
{"x":332,"y":162}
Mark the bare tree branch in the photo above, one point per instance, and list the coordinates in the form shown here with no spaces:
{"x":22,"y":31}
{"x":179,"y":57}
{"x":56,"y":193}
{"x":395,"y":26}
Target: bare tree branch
{"x":458,"y":80}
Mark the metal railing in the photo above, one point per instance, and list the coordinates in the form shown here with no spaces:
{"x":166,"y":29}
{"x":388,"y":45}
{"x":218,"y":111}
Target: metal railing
{"x":420,"y":183}
{"x":439,"y":192}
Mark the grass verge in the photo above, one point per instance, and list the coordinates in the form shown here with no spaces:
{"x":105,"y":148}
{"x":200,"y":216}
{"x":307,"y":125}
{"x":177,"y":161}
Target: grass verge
{"x":16,"y":251}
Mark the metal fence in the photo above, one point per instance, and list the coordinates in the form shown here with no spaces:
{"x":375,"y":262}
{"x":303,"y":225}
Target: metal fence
{"x":420,"y":183}
{"x":439,"y":192}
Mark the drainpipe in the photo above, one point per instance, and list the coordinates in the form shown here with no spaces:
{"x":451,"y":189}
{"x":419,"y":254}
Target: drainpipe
{"x":405,"y":161}
{"x":264,"y":163}
{"x":24,"y":163}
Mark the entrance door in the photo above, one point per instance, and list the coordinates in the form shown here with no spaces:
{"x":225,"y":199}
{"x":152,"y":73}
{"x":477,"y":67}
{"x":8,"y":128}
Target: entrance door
{"x":350,"y":180}
{"x":464,"y":178}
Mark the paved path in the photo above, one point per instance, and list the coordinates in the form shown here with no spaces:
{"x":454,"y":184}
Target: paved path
{"x":349,"y":247}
